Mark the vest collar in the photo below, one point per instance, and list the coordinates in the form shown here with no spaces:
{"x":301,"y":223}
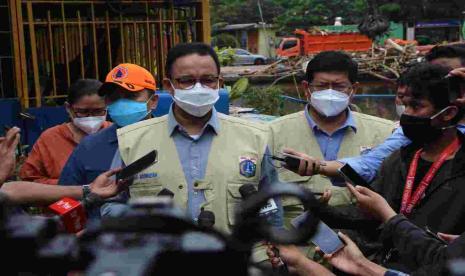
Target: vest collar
{"x":174,"y":125}
{"x":350,"y":121}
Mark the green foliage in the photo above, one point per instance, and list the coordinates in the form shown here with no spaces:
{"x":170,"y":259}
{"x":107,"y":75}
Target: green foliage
{"x":225,"y":55}
{"x":238,"y":88}
{"x":266,"y":100}
{"x":225,"y":40}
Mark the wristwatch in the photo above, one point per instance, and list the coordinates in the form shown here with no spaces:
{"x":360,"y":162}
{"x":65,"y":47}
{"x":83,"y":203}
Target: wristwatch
{"x":89,"y":199}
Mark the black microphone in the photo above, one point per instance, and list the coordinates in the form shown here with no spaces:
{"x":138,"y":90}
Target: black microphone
{"x":206,"y":219}
{"x":248,"y":190}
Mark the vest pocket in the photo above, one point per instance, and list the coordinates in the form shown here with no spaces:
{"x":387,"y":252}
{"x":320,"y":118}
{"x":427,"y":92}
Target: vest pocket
{"x":139,"y":189}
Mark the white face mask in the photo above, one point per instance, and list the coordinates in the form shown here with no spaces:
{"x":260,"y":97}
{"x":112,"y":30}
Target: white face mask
{"x":196,"y":101}
{"x":89,"y":125}
{"x":329,"y":102}
{"x":400,"y":108}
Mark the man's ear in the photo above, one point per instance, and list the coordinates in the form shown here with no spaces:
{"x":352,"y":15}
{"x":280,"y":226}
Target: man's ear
{"x":220,"y":82}
{"x":450,"y":113}
{"x":355,"y":87}
{"x":306,"y":87}
{"x":153,"y":103}
{"x":168,"y":86}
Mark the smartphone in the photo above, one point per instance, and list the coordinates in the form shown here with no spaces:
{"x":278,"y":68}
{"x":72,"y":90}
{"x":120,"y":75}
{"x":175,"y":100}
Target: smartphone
{"x":455,"y":85}
{"x":326,"y":239}
{"x":434,"y":235}
{"x":137,"y":166}
{"x":351,"y":176}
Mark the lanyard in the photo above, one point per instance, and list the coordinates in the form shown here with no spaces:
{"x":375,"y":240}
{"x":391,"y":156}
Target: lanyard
{"x":407,"y":201}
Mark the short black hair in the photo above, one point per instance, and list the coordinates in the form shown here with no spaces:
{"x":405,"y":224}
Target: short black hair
{"x":447,"y":51}
{"x":401,"y":81}
{"x":185,"y":49}
{"x":427,"y":81}
{"x":81,"y":88}
{"x":332,"y":61}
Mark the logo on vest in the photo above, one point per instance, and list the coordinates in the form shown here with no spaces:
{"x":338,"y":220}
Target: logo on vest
{"x":247,"y":166}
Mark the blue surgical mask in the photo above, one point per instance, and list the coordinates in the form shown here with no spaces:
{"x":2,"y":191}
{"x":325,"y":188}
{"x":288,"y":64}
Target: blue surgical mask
{"x":124,"y":112}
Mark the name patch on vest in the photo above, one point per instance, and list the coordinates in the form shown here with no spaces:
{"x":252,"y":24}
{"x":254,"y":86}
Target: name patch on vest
{"x":146,"y":175}
{"x":247,"y":166}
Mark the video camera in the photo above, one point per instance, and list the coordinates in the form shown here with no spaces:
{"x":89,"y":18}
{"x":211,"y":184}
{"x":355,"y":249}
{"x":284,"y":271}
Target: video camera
{"x":152,"y":238}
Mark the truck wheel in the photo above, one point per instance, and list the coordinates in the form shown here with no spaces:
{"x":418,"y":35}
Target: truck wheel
{"x":259,"y":61}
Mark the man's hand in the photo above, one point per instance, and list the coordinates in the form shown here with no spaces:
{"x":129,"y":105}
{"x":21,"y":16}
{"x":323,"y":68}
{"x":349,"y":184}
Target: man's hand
{"x":309,"y":168}
{"x":7,"y":153}
{"x":297,"y":263}
{"x":448,"y":237}
{"x":372,"y":202}
{"x":105,"y":187}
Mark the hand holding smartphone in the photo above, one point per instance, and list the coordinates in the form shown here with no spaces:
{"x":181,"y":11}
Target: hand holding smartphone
{"x":351,"y":176}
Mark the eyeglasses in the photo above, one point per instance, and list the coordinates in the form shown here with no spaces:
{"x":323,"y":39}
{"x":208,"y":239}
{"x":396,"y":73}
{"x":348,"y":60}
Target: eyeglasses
{"x":189,"y":82}
{"x":337,"y":87}
{"x":80,"y":112}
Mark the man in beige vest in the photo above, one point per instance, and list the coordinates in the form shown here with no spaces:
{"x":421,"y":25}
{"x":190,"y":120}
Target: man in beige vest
{"x":327,"y":129}
{"x":204,"y":157}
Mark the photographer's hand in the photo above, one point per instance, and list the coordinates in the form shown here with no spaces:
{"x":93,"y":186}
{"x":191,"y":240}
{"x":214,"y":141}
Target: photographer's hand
{"x":7,"y":153}
{"x":309,"y":168}
{"x":351,"y":260}
{"x":372,"y":202}
{"x":105,"y":187}
{"x":297,"y":262}
{"x":459,"y":72}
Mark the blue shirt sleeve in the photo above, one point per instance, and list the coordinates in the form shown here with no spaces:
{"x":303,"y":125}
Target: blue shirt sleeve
{"x":391,"y":272}
{"x":269,"y":177}
{"x":73,"y":171}
{"x":368,"y":165}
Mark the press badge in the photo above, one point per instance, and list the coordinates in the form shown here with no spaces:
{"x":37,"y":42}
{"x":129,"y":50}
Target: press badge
{"x":247,"y":166}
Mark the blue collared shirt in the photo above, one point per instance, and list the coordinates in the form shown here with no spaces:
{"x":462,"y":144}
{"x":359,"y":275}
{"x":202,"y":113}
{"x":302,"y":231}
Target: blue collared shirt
{"x":193,"y":153}
{"x":368,"y":165}
{"x":92,"y":157}
{"x":331,"y":143}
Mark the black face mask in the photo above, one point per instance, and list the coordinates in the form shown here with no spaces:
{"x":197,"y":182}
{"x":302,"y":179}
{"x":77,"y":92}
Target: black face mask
{"x":419,"y":129}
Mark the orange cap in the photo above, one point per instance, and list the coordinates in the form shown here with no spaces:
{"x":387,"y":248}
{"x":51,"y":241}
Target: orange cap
{"x":131,"y":77}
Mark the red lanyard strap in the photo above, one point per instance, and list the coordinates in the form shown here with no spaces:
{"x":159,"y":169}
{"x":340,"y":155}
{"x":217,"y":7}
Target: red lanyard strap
{"x":408,"y":202}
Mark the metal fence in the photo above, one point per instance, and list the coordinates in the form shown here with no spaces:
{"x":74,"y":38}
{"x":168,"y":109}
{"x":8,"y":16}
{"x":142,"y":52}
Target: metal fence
{"x":57,"y":42}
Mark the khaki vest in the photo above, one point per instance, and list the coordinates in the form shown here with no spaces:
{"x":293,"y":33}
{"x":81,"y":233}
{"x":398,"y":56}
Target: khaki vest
{"x":236,"y":140}
{"x":293,"y":131}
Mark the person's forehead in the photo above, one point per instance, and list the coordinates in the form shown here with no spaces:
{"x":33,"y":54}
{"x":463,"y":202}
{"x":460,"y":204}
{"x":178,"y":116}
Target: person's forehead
{"x":194,"y":65}
{"x":453,"y":63}
{"x":87,"y":100}
{"x":333,"y":77}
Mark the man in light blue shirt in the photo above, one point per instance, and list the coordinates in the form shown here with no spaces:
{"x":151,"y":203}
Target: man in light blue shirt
{"x":367,"y":165}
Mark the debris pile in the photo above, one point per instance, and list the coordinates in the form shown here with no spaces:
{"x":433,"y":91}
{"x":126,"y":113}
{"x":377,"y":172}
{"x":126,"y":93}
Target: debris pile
{"x":385,"y":63}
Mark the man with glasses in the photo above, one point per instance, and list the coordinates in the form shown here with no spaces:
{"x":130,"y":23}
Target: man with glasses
{"x":327,"y":129}
{"x":204,"y":157}
{"x":129,"y":92}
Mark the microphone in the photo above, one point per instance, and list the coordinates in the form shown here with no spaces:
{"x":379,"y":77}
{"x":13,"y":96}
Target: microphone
{"x":71,"y":213}
{"x":248,"y":190}
{"x":266,"y":211}
{"x":206,"y":219}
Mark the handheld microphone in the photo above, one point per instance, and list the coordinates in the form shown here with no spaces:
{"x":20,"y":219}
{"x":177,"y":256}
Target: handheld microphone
{"x":270,"y":208}
{"x":206,"y":219}
{"x":71,"y":213}
{"x":247,"y":190}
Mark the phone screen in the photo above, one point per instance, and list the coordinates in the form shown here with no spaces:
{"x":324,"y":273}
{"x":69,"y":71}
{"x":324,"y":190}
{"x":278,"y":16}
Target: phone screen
{"x":350,"y":175}
{"x":137,"y":166}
